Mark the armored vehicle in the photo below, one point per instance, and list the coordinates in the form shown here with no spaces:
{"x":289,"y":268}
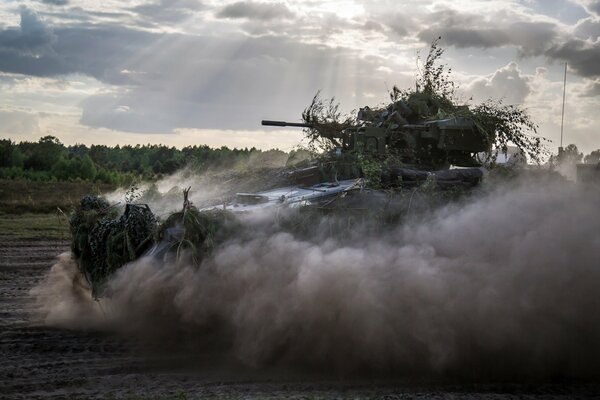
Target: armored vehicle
{"x":407,"y":148}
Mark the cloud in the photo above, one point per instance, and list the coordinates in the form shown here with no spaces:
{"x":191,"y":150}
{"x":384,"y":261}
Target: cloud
{"x":465,"y":37}
{"x":507,"y":83}
{"x":590,"y":89}
{"x":168,"y":10}
{"x":588,"y":28}
{"x":14,"y":122}
{"x":591,"y":6}
{"x":256,"y":11}
{"x":167,"y":81}
{"x":32,"y":34}
{"x":189,"y":83}
{"x":583,"y":56}
{"x":232,"y":64}
{"x":579,"y":46}
{"x":531,"y":38}
{"x":376,"y":26}
{"x":56,"y":2}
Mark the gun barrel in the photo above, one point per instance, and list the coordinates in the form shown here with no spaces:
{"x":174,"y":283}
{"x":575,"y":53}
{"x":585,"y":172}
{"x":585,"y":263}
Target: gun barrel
{"x":283,"y":123}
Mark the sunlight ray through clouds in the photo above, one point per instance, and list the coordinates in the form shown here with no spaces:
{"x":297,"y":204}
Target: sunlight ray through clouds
{"x":165,"y":66}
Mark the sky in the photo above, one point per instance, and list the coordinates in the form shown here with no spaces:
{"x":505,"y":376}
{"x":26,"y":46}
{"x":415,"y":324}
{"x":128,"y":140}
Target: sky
{"x":185,"y":72}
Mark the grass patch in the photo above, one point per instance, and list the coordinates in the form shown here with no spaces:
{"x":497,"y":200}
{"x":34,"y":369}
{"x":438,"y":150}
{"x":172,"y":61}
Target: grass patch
{"x":21,"y":196}
{"x":35,"y":226}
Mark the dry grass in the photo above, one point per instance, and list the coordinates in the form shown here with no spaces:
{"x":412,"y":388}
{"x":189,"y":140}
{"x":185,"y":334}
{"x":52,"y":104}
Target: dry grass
{"x":17,"y":197}
{"x":35,"y":226}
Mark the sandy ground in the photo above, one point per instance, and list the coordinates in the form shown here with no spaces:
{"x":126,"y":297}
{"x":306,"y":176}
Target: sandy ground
{"x":39,"y":362}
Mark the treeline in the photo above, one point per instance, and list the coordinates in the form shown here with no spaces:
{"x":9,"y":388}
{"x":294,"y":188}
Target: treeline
{"x":49,"y":159}
{"x":572,"y":155}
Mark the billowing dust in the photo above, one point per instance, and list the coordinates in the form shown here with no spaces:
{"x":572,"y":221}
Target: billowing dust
{"x":504,"y":285}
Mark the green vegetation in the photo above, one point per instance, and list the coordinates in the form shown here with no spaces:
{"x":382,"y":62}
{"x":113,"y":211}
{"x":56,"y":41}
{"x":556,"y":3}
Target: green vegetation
{"x":103,"y":240}
{"x":433,"y":98}
{"x":35,"y":226}
{"x":23,"y":196}
{"x":50,"y":160}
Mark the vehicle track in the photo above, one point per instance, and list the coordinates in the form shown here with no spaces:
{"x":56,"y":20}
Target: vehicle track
{"x":40,"y":362}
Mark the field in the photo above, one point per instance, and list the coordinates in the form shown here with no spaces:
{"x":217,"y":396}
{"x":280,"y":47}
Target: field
{"x":39,"y":362}
{"x":21,"y":196}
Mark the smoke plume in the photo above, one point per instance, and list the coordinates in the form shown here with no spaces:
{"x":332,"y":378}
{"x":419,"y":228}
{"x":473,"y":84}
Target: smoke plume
{"x":502,"y":285}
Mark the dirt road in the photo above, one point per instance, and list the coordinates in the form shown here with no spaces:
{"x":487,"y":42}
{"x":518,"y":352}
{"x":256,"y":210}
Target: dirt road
{"x":39,"y":362}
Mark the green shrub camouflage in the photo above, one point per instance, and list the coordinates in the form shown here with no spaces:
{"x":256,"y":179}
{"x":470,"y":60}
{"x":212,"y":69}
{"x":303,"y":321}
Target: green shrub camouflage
{"x":103,"y":241}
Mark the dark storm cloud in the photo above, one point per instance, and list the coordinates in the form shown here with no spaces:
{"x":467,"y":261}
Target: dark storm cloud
{"x":32,"y":34}
{"x":43,"y":65}
{"x":253,"y":10}
{"x":583,"y":56}
{"x":28,"y":49}
{"x":101,"y":51}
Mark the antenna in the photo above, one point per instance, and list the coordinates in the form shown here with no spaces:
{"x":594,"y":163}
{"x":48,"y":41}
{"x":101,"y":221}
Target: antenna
{"x":562,"y":120}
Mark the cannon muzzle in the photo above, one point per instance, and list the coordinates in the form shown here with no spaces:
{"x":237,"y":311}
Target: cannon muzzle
{"x":283,"y":124}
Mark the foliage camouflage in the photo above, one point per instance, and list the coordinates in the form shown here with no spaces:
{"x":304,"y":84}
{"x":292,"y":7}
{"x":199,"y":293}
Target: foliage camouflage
{"x":103,"y":241}
{"x":432,"y":100}
{"x":194,"y":234}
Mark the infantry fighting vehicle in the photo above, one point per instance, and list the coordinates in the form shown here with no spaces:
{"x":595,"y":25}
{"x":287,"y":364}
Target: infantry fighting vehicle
{"x":409,"y":153}
{"x":407,"y":147}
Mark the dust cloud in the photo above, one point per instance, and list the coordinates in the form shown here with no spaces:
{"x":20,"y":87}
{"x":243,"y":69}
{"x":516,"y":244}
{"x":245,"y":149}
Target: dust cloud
{"x":64,"y":299}
{"x":501,"y":286}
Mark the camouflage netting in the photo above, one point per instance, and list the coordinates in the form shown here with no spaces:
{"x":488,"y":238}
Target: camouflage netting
{"x":194,"y":233}
{"x":91,"y":211}
{"x":103,"y":241}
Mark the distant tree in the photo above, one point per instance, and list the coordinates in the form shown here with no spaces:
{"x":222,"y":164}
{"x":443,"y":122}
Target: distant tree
{"x":593,"y":157}
{"x":45,"y":154}
{"x":79,"y":150}
{"x":571,"y":154}
{"x":157,"y":167}
{"x":49,"y":159}
{"x":10,"y":154}
{"x":99,"y":154}
{"x":61,"y":169}
{"x":87,"y":168}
